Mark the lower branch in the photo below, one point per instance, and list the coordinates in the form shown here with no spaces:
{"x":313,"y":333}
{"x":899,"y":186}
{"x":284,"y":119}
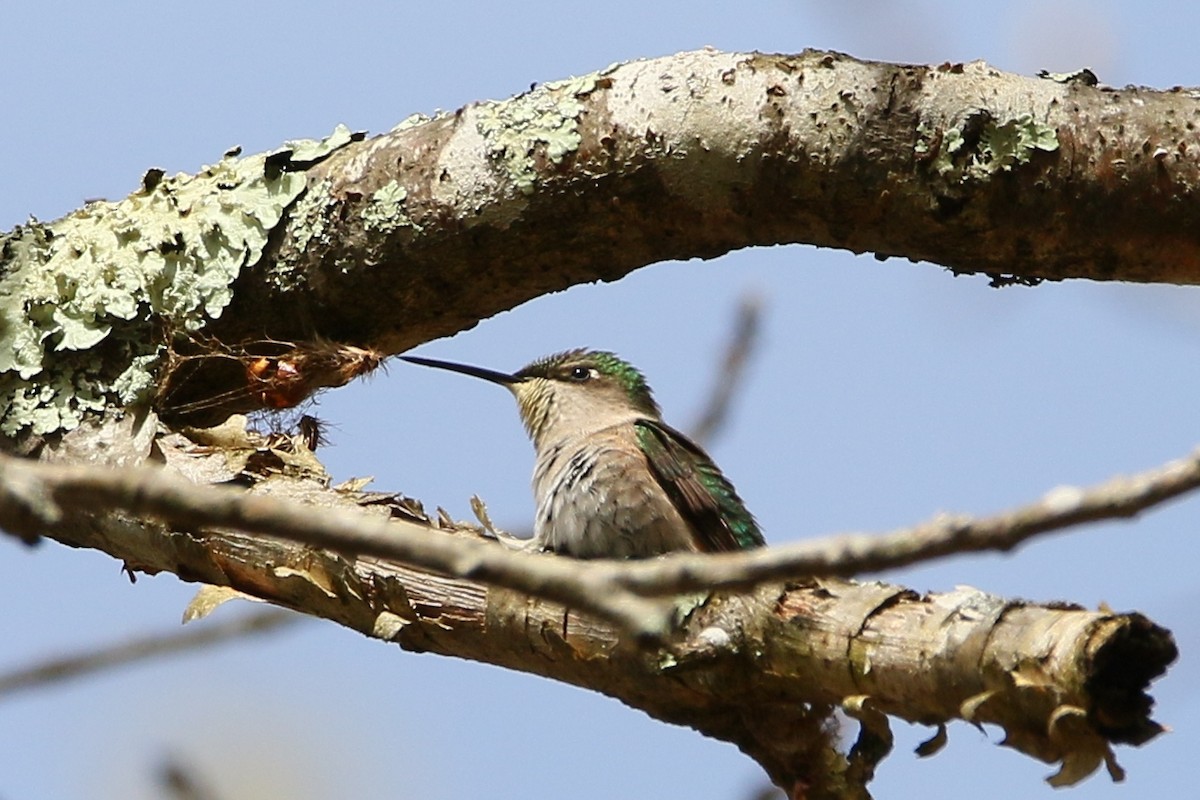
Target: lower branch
{"x":33,"y":495}
{"x":763,"y":669}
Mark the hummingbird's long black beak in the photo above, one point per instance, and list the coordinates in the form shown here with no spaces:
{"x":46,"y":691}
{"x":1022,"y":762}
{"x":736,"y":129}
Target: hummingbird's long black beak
{"x":501,"y":378}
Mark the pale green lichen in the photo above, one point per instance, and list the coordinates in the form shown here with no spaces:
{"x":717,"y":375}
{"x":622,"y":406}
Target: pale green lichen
{"x":58,"y":399}
{"x":385,"y":212}
{"x":310,"y":227}
{"x":418,"y":119}
{"x":310,"y":151}
{"x":411,"y":121}
{"x":545,"y":119}
{"x":1014,"y":142}
{"x":1002,"y":146}
{"x":96,"y":277}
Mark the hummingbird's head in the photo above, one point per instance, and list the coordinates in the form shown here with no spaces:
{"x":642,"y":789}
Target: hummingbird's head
{"x":573,"y":391}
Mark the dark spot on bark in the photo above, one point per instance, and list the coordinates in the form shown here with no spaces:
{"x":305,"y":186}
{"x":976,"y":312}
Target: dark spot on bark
{"x":949,"y":207}
{"x":1107,"y":263}
{"x":973,"y":128}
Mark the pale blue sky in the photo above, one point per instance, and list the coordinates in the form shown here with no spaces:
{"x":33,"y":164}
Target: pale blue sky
{"x":882,"y":393}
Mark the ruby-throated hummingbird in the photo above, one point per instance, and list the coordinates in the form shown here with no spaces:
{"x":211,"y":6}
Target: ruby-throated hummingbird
{"x":612,"y":480}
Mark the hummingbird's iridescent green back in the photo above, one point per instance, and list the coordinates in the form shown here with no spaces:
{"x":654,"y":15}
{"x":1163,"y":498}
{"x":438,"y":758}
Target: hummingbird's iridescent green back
{"x":705,"y":497}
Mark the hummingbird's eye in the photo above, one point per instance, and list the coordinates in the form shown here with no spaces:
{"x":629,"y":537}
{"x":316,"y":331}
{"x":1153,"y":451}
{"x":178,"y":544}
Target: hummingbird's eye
{"x":581,"y":374}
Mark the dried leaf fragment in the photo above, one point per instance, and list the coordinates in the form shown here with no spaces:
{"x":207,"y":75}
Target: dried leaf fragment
{"x":208,"y":597}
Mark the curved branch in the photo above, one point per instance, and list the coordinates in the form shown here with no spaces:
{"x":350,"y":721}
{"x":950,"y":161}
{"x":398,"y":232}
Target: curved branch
{"x":694,"y":155}
{"x":358,"y":249}
{"x":430,"y":227}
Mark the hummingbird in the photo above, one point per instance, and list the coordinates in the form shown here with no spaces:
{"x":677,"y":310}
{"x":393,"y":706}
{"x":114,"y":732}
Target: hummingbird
{"x":611,"y":479}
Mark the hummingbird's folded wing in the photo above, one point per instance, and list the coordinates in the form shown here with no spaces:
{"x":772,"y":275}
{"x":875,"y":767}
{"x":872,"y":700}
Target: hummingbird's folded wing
{"x":705,"y":498}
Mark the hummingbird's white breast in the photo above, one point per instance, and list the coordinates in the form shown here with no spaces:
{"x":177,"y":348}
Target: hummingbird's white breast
{"x":596,"y":497}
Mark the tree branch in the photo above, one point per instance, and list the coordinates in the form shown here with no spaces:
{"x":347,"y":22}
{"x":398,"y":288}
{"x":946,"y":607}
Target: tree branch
{"x":760,"y":669}
{"x":853,"y":554}
{"x":35,"y":494}
{"x":38,"y":495}
{"x":423,"y":231}
{"x":705,"y":152}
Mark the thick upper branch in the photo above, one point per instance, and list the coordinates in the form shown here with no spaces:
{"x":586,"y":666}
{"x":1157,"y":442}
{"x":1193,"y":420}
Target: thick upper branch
{"x":427,"y":229}
{"x":378,"y":245}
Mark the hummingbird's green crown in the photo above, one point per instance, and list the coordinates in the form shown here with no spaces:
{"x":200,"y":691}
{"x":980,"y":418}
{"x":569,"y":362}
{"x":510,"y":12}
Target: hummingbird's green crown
{"x":582,"y":365}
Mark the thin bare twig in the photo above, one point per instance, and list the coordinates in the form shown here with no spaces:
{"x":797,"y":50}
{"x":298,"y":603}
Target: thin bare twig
{"x":76,"y":665}
{"x":726,"y":380}
{"x":616,"y":591}
{"x":180,"y":780}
